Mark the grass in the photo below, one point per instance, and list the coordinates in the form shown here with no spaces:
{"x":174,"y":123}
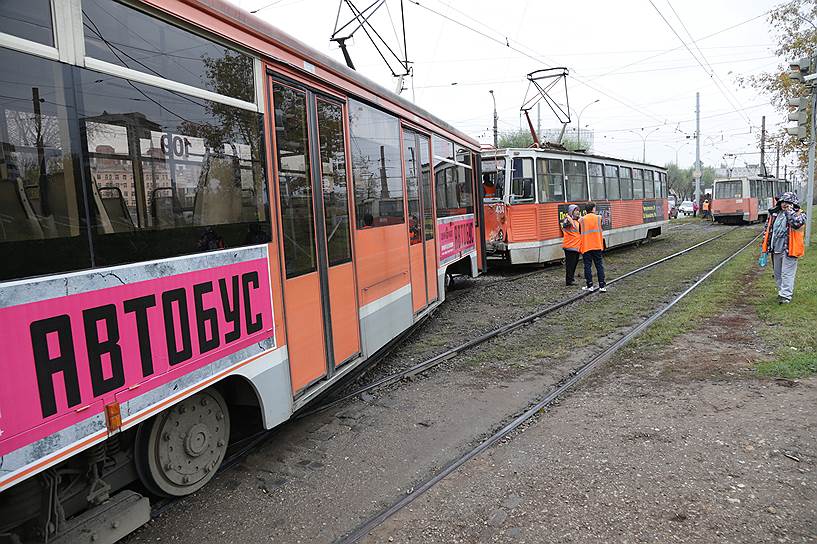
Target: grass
{"x":793,"y":327}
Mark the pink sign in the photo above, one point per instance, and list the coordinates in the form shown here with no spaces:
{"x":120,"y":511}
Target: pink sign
{"x":455,"y":237}
{"x":64,"y":358}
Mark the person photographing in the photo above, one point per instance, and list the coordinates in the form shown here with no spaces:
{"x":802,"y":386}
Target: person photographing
{"x":784,"y":242}
{"x":571,"y":243}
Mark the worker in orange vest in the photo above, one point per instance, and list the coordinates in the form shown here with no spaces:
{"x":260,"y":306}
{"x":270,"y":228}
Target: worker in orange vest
{"x":784,"y":241}
{"x":571,"y":243}
{"x":591,"y":247}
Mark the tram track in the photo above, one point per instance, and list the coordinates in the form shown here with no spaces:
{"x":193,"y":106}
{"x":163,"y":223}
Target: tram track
{"x":244,"y":446}
{"x":564,"y":385}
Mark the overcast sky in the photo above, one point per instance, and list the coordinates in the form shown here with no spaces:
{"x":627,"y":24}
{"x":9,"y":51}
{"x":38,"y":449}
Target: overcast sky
{"x":620,"y":53}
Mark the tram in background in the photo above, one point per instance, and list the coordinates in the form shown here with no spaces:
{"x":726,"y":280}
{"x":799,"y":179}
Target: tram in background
{"x":200,"y":217}
{"x":746,"y":199}
{"x":533,"y":188}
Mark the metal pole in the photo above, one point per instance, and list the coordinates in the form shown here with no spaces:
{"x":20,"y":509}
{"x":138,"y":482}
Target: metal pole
{"x":777,"y":161}
{"x":538,"y":120}
{"x":763,"y":146}
{"x":496,"y":132}
{"x":697,"y":170}
{"x":810,"y":178}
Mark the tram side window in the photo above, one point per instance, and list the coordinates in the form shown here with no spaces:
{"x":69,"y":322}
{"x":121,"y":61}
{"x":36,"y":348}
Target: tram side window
{"x":493,"y":176}
{"x":376,"y":166}
{"x":664,"y":189}
{"x":657,"y":184}
{"x":334,"y":181}
{"x":425,"y":179}
{"x":411,"y":161}
{"x":649,"y":184}
{"x":611,"y":182}
{"x":550,"y":179}
{"x":729,"y":189}
{"x":169,"y":175}
{"x":638,"y":184}
{"x":41,"y":214}
{"x":127,"y":37}
{"x":626,"y":182}
{"x":27,"y":19}
{"x":576,"y":180}
{"x":522,"y":180}
{"x":596,"y":172}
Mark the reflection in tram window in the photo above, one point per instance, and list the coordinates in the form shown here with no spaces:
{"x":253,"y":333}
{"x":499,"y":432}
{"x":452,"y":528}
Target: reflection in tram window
{"x":376,"y":166}
{"x":596,"y":173}
{"x":452,"y":180}
{"x":425,"y":173}
{"x":169,"y":174}
{"x":334,"y":184}
{"x":576,"y":180}
{"x":411,"y":161}
{"x":294,"y":180}
{"x":27,"y":19}
{"x":550,"y":174}
{"x":40,"y":206}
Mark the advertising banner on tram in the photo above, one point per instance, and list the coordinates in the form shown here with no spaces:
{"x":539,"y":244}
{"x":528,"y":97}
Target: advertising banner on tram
{"x":652,"y":210}
{"x":603,"y":209}
{"x":66,"y":356}
{"x":456,"y":236}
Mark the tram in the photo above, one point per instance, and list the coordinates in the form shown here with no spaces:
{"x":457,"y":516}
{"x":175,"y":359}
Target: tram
{"x":203,"y":223}
{"x":747,"y":199}
{"x":532,"y":189}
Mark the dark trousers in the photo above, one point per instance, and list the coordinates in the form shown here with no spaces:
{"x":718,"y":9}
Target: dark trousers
{"x":571,"y":260}
{"x":589,"y":258}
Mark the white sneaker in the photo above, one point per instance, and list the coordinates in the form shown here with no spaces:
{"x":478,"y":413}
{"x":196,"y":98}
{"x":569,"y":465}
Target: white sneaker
{"x":590,"y":288}
{"x":603,"y":289}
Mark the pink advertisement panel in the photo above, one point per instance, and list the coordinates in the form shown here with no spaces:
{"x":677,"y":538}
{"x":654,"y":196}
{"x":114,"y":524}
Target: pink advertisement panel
{"x":456,"y":237}
{"x":64,"y":358}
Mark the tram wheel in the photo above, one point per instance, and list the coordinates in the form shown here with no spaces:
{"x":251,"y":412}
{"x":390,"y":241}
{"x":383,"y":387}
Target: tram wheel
{"x":178,"y":451}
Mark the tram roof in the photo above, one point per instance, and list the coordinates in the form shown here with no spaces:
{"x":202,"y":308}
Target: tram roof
{"x":246,"y":19}
{"x":510,"y":150}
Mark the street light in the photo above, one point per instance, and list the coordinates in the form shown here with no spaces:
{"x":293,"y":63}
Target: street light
{"x":644,"y":141}
{"x":677,"y":149}
{"x":579,"y":122}
{"x":496,"y":134}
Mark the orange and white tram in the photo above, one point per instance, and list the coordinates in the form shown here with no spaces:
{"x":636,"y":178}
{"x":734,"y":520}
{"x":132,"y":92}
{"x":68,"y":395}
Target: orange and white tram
{"x":198,"y":214}
{"x":533,"y":188}
{"x":736,"y":200}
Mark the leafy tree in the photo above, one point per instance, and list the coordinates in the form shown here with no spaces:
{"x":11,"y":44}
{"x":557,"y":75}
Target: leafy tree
{"x":795,"y":38}
{"x":515,"y":138}
{"x":681,"y":182}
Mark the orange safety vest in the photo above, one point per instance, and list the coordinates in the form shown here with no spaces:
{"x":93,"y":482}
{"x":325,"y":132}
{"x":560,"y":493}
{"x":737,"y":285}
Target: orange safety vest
{"x":706,"y":205}
{"x":797,"y":240}
{"x":572,"y":238}
{"x":591,"y":233}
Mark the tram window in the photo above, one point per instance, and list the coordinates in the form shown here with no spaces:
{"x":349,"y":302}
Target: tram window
{"x":753,"y":188}
{"x":187,"y":174}
{"x":27,"y":19}
{"x":656,"y":176}
{"x":611,"y":182}
{"x":453,"y":180}
{"x":376,"y":166}
{"x":626,"y":182}
{"x":41,"y":214}
{"x":493,"y":175}
{"x":638,"y":184}
{"x":664,"y":189}
{"x":596,"y":172}
{"x":550,"y":179}
{"x":649,"y":185}
{"x":425,"y":179}
{"x":522,"y":181}
{"x":576,"y":180}
{"x":729,"y":189}
{"x":442,"y":148}
{"x":334,"y":181}
{"x":411,"y":161}
{"x":127,"y":37}
{"x":294,"y":180}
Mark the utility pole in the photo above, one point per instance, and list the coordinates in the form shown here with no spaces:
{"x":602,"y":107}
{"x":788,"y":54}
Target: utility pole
{"x":496,"y":132}
{"x":763,"y":147}
{"x":697,"y":170}
{"x":777,"y":161}
{"x":810,"y":179}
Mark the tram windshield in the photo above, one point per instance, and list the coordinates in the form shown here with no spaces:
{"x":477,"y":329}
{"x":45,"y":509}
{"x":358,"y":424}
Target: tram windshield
{"x":729,"y":189}
{"x":493,"y":177}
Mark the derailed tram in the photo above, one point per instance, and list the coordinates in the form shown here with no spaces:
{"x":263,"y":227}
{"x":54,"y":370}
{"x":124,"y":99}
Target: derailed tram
{"x":528,"y":191}
{"x":745,"y":200}
{"x":204,"y":224}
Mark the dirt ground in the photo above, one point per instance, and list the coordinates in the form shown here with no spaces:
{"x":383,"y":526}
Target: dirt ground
{"x":668,"y":445}
{"x":316,"y":479}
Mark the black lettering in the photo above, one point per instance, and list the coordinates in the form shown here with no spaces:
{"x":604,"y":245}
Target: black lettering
{"x":97,"y":348}
{"x":231,"y":313}
{"x":176,"y":355}
{"x":139,"y":307}
{"x":46,"y":367}
{"x":203,"y":316}
{"x":246,"y":279}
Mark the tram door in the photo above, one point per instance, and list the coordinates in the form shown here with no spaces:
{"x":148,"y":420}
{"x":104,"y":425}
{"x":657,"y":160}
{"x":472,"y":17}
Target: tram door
{"x":320,"y":295}
{"x":421,"y":223}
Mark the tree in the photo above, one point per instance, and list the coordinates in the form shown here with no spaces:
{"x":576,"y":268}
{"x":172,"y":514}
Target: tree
{"x":681,"y":182}
{"x":795,"y":38}
{"x":515,"y":138}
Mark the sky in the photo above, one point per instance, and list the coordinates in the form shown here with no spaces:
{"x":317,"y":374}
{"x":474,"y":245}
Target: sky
{"x":621,"y":53}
